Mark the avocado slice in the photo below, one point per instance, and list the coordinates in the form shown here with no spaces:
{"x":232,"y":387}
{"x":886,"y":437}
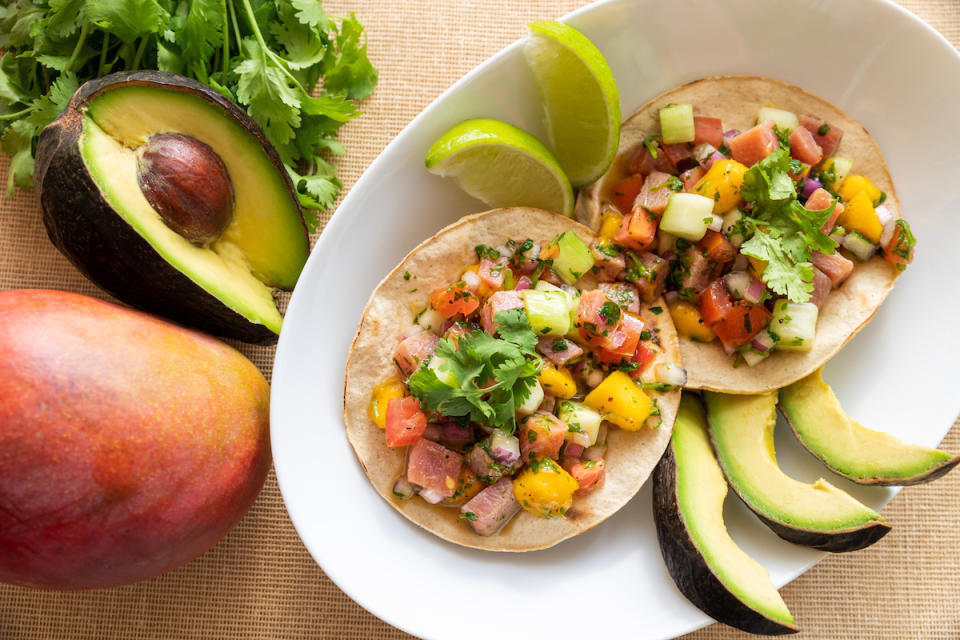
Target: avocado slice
{"x":133,"y":151}
{"x":814,"y":515}
{"x":704,"y":561}
{"x":850,"y":449}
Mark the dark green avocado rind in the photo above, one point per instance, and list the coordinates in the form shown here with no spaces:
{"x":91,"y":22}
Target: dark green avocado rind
{"x":86,"y":229}
{"x":687,"y":566}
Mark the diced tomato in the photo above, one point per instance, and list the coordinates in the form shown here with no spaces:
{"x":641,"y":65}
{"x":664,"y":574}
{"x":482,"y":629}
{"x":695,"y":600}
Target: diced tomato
{"x":594,"y":321}
{"x":644,"y":355}
{"x":432,"y":466}
{"x":622,"y":344}
{"x":405,"y":421}
{"x":715,"y":302}
{"x":625,"y":192}
{"x":733,"y":322}
{"x":677,"y":153}
{"x":589,"y":474}
{"x":753,"y":145}
{"x":829,"y":140}
{"x":541,"y":435}
{"x":413,"y":350}
{"x":837,"y":267}
{"x":709,"y":130}
{"x":803,"y":147}
{"x":491,"y":272}
{"x":638,"y":230}
{"x":717,"y":248}
{"x":900,"y":248}
{"x":691,"y":177}
{"x":655,"y":193}
{"x":454,"y":299}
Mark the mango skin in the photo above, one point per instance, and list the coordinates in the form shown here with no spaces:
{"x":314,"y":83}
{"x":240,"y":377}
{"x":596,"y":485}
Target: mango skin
{"x":128,"y":445}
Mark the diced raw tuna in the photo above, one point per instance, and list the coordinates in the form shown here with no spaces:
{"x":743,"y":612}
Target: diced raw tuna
{"x":709,"y":130}
{"x":489,"y":510}
{"x":677,"y":153}
{"x":691,"y":177}
{"x":803,"y":147}
{"x":434,"y":468}
{"x":822,"y":286}
{"x":655,"y":193}
{"x":753,"y":145}
{"x":697,"y":273}
{"x":591,"y":321}
{"x":829,"y":140}
{"x":541,"y":436}
{"x":589,"y":474}
{"x":641,"y":161}
{"x":491,"y":272}
{"x":651,"y":275}
{"x":547,"y":346}
{"x":499,"y":301}
{"x":820,"y":200}
{"x":413,"y":350}
{"x":834,"y":265}
{"x":608,"y":261}
{"x":480,"y":462}
{"x":625,"y":295}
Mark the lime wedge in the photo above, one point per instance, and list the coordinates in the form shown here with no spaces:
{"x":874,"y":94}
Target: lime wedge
{"x":580,"y":98}
{"x":502,"y":165}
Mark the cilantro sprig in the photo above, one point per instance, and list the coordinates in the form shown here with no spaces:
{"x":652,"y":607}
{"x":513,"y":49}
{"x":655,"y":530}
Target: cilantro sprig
{"x":491,"y":376}
{"x":266,"y":55}
{"x":780,"y":230}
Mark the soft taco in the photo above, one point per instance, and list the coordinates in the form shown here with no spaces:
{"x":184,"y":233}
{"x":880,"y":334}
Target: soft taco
{"x":765,"y":215}
{"x":502,"y":392}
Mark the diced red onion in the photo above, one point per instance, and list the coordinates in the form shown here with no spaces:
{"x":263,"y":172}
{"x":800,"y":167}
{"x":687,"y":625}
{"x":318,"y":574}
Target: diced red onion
{"x":888,"y":228}
{"x":716,"y":155}
{"x":595,"y":452}
{"x":762,"y":342}
{"x":433,"y":432}
{"x":504,"y":448}
{"x":548,"y":404}
{"x":672,"y":374}
{"x":809,"y":186}
{"x":754,"y":292}
{"x":730,"y":134}
{"x":431,"y":496}
{"x":716,"y":223}
{"x":471,"y":280}
{"x":738,"y":282}
{"x":523,"y":282}
{"x":602,"y":434}
{"x":456,"y":435}
{"x":837,"y":235}
{"x":668,"y":255}
{"x":729,"y":350}
{"x":752,"y":357}
{"x":703,"y":152}
{"x":573,"y":450}
{"x":402,"y":488}
{"x":884,"y":215}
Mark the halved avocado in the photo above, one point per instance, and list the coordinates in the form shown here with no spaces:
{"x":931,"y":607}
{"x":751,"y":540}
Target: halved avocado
{"x":850,"y":449}
{"x":707,"y":565}
{"x":170,"y":197}
{"x":814,"y":515}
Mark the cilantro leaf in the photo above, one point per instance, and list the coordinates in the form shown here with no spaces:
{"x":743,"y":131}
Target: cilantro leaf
{"x":129,"y":20}
{"x":515,"y":328}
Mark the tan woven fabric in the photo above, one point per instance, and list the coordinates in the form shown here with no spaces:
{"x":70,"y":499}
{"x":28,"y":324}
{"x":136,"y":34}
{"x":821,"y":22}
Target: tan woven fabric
{"x":259,"y":582}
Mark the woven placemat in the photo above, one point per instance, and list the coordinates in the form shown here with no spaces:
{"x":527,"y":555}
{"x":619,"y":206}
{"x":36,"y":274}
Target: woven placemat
{"x":259,"y":581}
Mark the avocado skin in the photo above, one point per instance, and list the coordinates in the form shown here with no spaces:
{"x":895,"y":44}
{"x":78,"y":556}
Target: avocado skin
{"x":101,"y":245}
{"x":920,"y":478}
{"x":688,"y":567}
{"x":834,"y":541}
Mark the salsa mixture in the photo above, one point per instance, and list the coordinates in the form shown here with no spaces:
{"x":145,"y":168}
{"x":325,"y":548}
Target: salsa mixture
{"x":746,"y":233}
{"x":506,"y":384}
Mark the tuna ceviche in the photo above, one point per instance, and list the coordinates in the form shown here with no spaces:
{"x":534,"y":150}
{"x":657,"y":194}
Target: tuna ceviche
{"x":746,"y":232}
{"x":507,"y":383}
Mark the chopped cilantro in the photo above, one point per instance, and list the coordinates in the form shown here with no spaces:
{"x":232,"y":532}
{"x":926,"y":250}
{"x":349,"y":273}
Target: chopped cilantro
{"x":650,"y":143}
{"x":610,"y":311}
{"x":673,"y":183}
{"x":823,"y":129}
{"x":468,"y":515}
{"x":483,"y":251}
{"x":559,"y":344}
{"x":656,"y":310}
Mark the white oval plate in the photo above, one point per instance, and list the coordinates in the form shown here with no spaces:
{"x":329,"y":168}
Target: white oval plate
{"x":876,"y":61}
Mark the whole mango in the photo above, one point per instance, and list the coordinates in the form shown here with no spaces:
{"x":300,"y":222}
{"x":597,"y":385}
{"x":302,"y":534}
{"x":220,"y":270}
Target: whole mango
{"x":128,"y":445}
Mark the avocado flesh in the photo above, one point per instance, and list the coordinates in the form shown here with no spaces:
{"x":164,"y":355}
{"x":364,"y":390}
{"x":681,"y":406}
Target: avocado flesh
{"x":221,"y":269}
{"x":266,"y":229}
{"x":701,"y":490}
{"x":742,"y":431}
{"x":846,"y":446}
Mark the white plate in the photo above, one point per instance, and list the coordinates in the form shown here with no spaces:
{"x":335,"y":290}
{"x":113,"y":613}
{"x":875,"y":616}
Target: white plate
{"x":876,"y":61}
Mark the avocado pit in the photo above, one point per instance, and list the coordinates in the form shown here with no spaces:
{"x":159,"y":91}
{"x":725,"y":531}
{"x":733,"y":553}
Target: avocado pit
{"x":188,"y":185}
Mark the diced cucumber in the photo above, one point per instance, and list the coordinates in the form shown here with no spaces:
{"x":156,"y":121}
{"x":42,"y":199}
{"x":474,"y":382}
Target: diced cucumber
{"x":547,"y":311}
{"x":858,"y":245}
{"x":532,"y":403}
{"x":786,"y":121}
{"x":794,"y":325}
{"x":441,"y":367}
{"x":676,"y":123}
{"x":583,"y":421}
{"x":731,"y":227}
{"x":835,"y":171}
{"x":573,"y":301}
{"x":431,"y":320}
{"x":574,"y":258}
{"x":687,"y":216}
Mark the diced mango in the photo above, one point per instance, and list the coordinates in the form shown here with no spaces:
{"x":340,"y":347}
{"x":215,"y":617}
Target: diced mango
{"x":852,"y":185}
{"x":621,"y":401}
{"x":557,"y":381}
{"x":721,"y":183}
{"x":859,"y":215}
{"x":689,"y":322}
{"x":609,"y":223}
{"x":468,"y":485}
{"x":382,"y":394}
{"x":544,"y":488}
{"x":757,"y":266}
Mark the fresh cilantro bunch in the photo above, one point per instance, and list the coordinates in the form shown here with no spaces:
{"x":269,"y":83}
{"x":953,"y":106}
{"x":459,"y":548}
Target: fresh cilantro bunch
{"x":780,"y":230}
{"x":493,"y":375}
{"x":266,"y":55}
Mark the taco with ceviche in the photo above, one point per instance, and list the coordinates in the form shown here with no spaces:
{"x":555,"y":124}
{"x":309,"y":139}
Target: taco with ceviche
{"x":504,"y":390}
{"x":767,"y":218}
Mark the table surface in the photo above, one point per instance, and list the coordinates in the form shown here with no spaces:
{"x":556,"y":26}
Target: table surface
{"x":260,"y":582}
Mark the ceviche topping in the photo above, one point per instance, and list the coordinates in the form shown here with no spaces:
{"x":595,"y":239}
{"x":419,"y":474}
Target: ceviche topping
{"x":506,"y":384}
{"x":747,"y":232}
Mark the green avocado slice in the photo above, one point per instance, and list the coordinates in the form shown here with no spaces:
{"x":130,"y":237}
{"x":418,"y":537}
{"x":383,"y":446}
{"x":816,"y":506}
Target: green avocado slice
{"x":850,"y":449}
{"x":816,"y":515}
{"x":704,"y":561}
